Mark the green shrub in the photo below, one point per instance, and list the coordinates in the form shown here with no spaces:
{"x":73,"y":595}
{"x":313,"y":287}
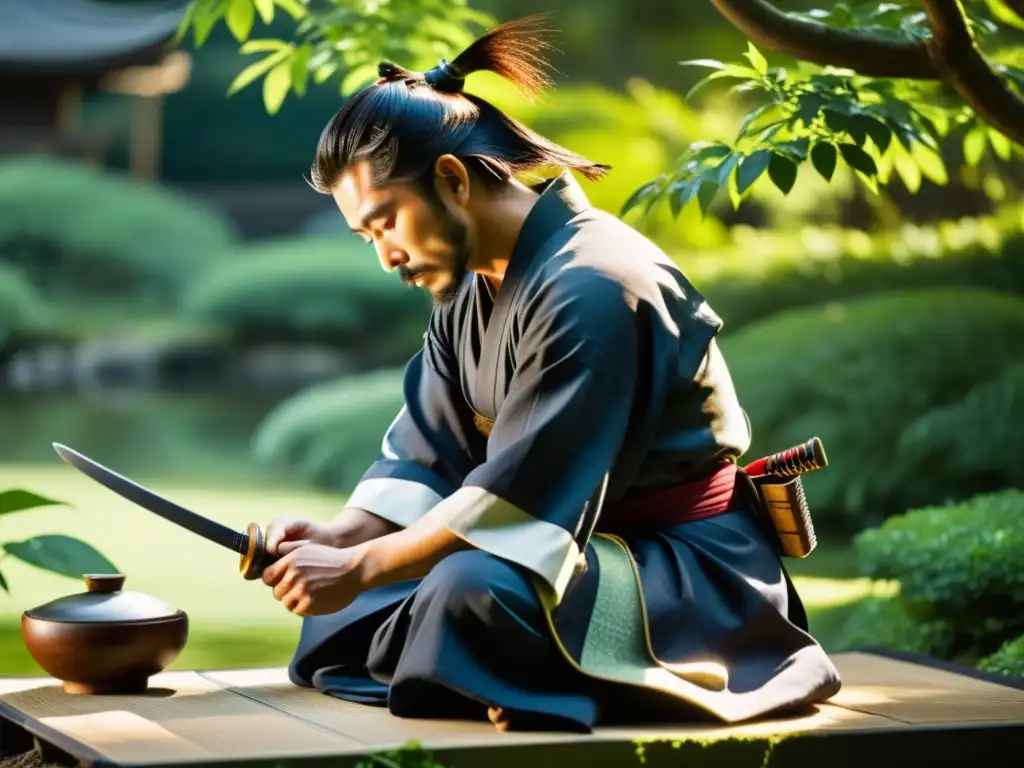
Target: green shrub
{"x":889,"y":622}
{"x":1008,"y":660}
{"x":861,"y":373}
{"x":319,"y":288}
{"x":21,"y":307}
{"x":958,"y":567}
{"x":974,"y":444}
{"x":79,"y":232}
{"x":963,"y":559}
{"x":330,"y":433}
{"x":765,"y":272}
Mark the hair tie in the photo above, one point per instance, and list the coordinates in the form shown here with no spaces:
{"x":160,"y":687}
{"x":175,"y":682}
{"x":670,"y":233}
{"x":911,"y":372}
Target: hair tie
{"x":445,"y":77}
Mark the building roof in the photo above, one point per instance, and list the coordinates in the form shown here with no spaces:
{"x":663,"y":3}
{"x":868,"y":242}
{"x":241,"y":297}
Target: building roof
{"x":84,"y":36}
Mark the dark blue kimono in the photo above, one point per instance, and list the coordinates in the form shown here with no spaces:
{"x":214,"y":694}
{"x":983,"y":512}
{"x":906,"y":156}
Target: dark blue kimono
{"x":592,"y":377}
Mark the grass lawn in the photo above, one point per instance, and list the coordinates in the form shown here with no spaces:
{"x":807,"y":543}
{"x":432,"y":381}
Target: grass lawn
{"x":235,"y":623}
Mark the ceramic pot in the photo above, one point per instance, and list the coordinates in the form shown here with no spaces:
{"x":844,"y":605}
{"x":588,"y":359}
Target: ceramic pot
{"x":105,"y":640}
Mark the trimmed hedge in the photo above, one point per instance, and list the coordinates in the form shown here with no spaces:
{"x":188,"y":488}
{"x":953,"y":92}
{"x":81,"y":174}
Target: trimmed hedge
{"x":959,"y":570}
{"x":975,"y":444}
{"x":890,"y":622}
{"x":864,"y":375}
{"x":329,"y":434}
{"x":323,"y":289}
{"x":78,"y":232}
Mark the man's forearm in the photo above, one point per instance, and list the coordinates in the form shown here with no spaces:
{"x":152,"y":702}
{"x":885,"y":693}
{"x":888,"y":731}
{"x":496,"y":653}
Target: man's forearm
{"x":409,"y":553}
{"x":354,"y":526}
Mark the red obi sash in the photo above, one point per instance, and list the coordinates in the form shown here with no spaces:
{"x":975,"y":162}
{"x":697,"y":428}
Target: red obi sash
{"x":698,"y":499}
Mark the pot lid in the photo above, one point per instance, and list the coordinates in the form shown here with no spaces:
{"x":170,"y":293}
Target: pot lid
{"x":105,"y":602}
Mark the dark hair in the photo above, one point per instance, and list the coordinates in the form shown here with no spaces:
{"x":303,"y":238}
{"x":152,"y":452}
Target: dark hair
{"x":406,"y":120}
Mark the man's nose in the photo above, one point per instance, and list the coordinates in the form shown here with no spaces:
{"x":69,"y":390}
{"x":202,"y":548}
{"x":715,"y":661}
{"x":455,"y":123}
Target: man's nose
{"x":390,"y":257}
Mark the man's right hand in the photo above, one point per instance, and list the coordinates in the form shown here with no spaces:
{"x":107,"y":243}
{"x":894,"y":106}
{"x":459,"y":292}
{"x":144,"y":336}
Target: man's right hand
{"x":286,"y":533}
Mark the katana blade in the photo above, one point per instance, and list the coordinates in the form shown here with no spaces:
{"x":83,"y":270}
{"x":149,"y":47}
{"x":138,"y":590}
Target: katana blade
{"x":211,"y":530}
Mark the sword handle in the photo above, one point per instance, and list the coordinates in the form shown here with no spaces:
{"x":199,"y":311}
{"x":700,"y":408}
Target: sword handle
{"x":806,"y":457}
{"x":256,"y":558}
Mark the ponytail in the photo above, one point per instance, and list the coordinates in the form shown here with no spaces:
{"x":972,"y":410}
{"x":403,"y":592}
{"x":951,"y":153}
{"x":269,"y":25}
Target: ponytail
{"x":406,"y":119}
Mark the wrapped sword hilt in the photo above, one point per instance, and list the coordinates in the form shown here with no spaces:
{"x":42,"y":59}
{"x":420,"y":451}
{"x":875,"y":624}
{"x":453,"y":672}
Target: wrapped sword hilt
{"x":798,"y":460}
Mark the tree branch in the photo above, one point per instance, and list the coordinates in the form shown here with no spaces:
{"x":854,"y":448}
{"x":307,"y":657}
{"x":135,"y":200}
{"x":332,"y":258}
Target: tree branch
{"x":771,"y":29}
{"x":965,"y":70}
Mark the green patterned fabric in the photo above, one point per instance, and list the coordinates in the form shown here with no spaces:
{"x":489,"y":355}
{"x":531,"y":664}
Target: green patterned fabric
{"x":615,"y":645}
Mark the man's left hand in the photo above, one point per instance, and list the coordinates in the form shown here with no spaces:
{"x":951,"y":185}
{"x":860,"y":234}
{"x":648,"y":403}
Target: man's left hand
{"x":315,"y":579}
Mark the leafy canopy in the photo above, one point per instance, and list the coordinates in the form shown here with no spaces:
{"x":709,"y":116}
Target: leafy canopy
{"x":876,"y":87}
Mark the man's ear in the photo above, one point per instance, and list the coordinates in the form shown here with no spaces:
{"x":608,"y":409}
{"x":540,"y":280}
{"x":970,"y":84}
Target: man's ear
{"x":452,"y":178}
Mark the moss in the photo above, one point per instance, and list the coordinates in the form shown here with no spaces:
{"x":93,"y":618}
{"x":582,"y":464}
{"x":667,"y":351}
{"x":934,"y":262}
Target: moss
{"x":769,"y":742}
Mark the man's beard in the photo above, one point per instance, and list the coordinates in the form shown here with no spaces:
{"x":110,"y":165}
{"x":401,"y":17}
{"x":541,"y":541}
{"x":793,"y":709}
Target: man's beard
{"x":456,"y":235}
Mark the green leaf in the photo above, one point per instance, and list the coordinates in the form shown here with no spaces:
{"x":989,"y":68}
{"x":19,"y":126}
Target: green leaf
{"x":720,"y":175}
{"x":293,"y":7}
{"x":794,"y":148}
{"x":640,"y":195}
{"x":324,"y":71}
{"x":1001,"y":13}
{"x":836,"y":121}
{"x":908,"y":170}
{"x":3,"y":584}
{"x":300,"y":68}
{"x":752,"y":117}
{"x":706,"y":196}
{"x":357,"y":77}
{"x":680,"y":193}
{"x":756,"y":59}
{"x":751,"y":168}
{"x":18,"y":501}
{"x":60,"y":554}
{"x":782,"y":172}
{"x":879,"y":132}
{"x":975,"y":141}
{"x":205,"y":19}
{"x":824,"y":157}
{"x":266,"y":9}
{"x":712,"y":63}
{"x":1001,"y":145}
{"x":809,"y":105}
{"x":184,"y":24}
{"x":930,"y":163}
{"x":858,"y":159}
{"x":704,"y":150}
{"x":254,"y":70}
{"x":259,"y":46}
{"x":275,"y":86}
{"x":240,"y":17}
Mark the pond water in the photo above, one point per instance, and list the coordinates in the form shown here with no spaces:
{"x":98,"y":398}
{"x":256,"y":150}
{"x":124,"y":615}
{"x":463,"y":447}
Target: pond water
{"x":197,"y":438}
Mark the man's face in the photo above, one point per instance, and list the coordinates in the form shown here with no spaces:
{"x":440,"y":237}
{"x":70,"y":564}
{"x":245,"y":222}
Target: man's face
{"x":425,"y":242}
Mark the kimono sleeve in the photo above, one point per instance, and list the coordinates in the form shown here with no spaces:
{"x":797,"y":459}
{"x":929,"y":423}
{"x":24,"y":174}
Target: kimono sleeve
{"x":558,"y":431}
{"x":430,"y":446}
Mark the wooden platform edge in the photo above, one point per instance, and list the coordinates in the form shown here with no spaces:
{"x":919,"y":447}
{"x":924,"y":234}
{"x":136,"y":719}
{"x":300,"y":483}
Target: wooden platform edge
{"x":994,"y":744}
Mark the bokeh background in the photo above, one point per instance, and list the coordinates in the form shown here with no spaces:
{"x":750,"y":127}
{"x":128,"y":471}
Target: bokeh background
{"x":176,"y":302}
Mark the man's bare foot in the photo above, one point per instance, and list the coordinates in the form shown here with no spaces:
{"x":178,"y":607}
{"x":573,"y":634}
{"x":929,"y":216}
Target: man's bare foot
{"x":506,"y":720}
{"x":497,"y":716}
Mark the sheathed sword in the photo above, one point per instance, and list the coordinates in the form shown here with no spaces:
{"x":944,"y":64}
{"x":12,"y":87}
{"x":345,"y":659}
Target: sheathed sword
{"x":248,"y":544}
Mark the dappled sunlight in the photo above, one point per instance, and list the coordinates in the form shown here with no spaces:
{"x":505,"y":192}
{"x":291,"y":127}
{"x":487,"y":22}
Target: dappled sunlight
{"x":828,"y":593}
